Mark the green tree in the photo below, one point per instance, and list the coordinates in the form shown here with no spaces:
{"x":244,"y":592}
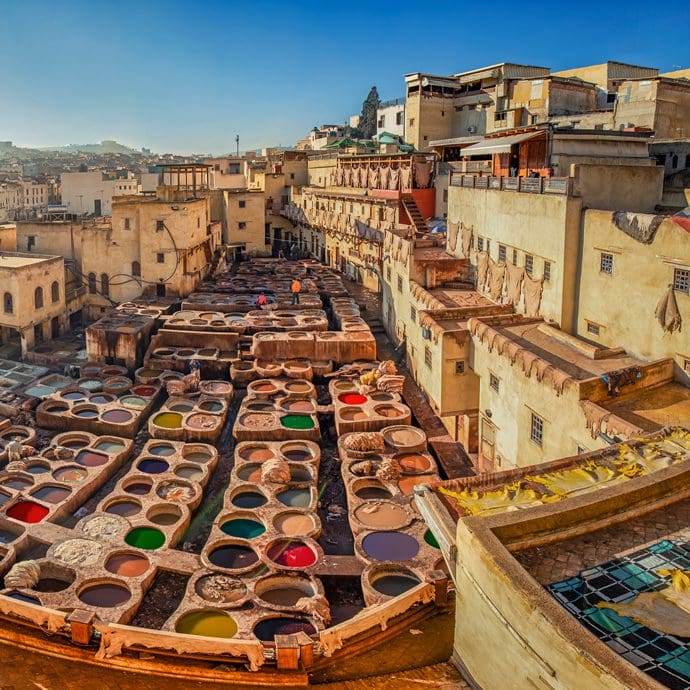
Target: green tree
{"x":367,"y":123}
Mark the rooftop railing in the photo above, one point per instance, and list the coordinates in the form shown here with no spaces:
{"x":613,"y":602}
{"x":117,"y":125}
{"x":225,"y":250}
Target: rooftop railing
{"x":528,"y":185}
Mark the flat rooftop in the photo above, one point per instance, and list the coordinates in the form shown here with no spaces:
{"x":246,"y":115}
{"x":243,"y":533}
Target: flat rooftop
{"x":459,"y":299}
{"x":21,"y":260}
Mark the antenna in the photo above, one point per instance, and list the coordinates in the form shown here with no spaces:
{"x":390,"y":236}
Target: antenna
{"x":237,"y":141}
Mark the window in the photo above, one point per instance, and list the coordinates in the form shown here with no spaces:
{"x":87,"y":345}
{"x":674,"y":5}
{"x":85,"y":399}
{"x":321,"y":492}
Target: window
{"x":547,"y":271}
{"x":529,"y":264}
{"x":400,"y":283}
{"x":413,"y":314}
{"x":514,"y":257}
{"x":460,"y":367}
{"x":494,"y":382}
{"x":445,"y":196}
{"x":606,"y":263}
{"x":8,"y":303}
{"x":592,"y":328}
{"x":136,"y":269}
{"x":55,"y":291}
{"x":38,"y":298}
{"x":411,"y":122}
{"x":267,"y":233}
{"x":480,"y":244}
{"x":427,"y":357}
{"x":126,"y":223}
{"x":537,"y":429}
{"x":399,"y":117}
{"x":388,"y":274}
{"x":105,"y":285}
{"x":292,"y":176}
{"x":160,"y":225}
{"x":501,"y":252}
{"x":160,"y":258}
{"x":198,"y":222}
{"x":610,"y":97}
{"x":242,"y":203}
{"x":92,"y":283}
{"x":242,"y":225}
{"x":681,"y":280}
{"x":30,"y":242}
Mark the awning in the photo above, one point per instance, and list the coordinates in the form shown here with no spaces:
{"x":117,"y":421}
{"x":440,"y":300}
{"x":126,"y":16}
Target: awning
{"x":488,"y":147}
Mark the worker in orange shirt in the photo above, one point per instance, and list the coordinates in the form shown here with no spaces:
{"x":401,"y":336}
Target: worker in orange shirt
{"x":295,"y":288}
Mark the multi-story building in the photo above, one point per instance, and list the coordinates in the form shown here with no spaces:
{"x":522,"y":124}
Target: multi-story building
{"x":91,"y":193}
{"x":34,"y":195}
{"x":390,"y":117}
{"x":11,"y":199}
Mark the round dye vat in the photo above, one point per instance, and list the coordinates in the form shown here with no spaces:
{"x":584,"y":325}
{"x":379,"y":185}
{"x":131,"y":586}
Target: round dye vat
{"x":381,"y":515}
{"x":299,"y":475}
{"x":257,"y":454}
{"x":197,"y":456}
{"x":109,"y":446}
{"x":27,"y":511}
{"x":116,"y":416}
{"x":106,"y":596}
{"x":145,"y":538}
{"x":153,"y":466}
{"x":146,"y":391}
{"x":52,"y":494}
{"x":267,"y":629}
{"x":69,"y":475}
{"x":73,"y":395}
{"x":250,"y":473}
{"x":368,"y":493}
{"x":203,"y":421}
{"x":177,"y":492}
{"x":51,"y":584}
{"x":181,"y":407}
{"x":162,"y":449}
{"x":390,"y":546}
{"x":7,"y":537}
{"x":207,"y":623}
{"x":352,"y":414}
{"x":164,"y":518}
{"x":101,"y":399}
{"x":294,"y":523}
{"x":220,"y":588}
{"x":18,"y":483}
{"x":263,"y":387}
{"x":291,"y":554}
{"x":296,"y":453}
{"x":4,"y":498}
{"x":407,"y":484}
{"x":133,"y":401}
{"x":210,"y":406}
{"x":430,"y":539}
{"x":88,"y":458}
{"x":36,"y":469}
{"x":168,"y":420}
{"x":298,"y":406}
{"x":127,"y":564}
{"x":295,"y":498}
{"x":392,"y":585}
{"x":138,"y":488}
{"x":91,"y":385}
{"x":124,"y":508}
{"x":76,"y":443}
{"x":353,"y":398}
{"x":283,"y":596}
{"x":248,"y":499}
{"x":233,"y":557}
{"x":189,"y":472}
{"x":149,"y":373}
{"x":244,"y":529}
{"x":297,"y":421}
{"x":414,"y":463}
{"x":85,"y":413}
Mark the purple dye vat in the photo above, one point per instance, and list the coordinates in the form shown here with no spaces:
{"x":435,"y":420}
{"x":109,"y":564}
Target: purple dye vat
{"x":116,"y":416}
{"x":390,"y":546}
{"x":153,"y":466}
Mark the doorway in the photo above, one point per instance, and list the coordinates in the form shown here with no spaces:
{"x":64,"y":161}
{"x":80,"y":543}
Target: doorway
{"x":97,"y":207}
{"x":38,"y":333}
{"x":160,"y":289}
{"x":54,"y":327}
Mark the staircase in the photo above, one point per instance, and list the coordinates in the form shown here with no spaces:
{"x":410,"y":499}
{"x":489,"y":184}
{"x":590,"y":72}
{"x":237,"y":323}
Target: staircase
{"x":414,"y":213}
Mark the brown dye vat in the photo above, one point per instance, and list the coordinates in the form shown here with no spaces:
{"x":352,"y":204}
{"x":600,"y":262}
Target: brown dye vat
{"x":220,"y":588}
{"x":200,"y":456}
{"x":51,"y":494}
{"x":164,"y":516}
{"x":18,"y":483}
{"x":413,"y":463}
{"x":282,"y":591}
{"x":293,"y":523}
{"x":105,"y":595}
{"x":257,"y":420}
{"x":256,"y":454}
{"x":372,"y":491}
{"x":124,"y":508}
{"x":352,"y":414}
{"x":296,"y":453}
{"x":138,"y":488}
{"x":250,"y":473}
{"x":407,"y":484}
{"x":116,"y":416}
{"x":389,"y":411}
{"x":298,"y":406}
{"x":127,"y":564}
{"x":381,"y":515}
{"x":177,"y":492}
{"x":403,"y":436}
{"x":202,"y":421}
{"x":189,"y":472}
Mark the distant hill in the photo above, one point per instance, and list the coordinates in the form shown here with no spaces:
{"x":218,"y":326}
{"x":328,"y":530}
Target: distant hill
{"x":106,"y":146}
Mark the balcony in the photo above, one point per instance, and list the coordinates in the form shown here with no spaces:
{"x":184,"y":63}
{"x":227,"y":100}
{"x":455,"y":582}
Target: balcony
{"x":527,"y":185}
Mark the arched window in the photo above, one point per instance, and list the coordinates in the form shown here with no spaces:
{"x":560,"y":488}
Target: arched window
{"x":136,"y":269}
{"x":8,"y":303}
{"x":105,"y":285}
{"x":92,"y":283}
{"x":55,"y":291}
{"x":38,"y":298}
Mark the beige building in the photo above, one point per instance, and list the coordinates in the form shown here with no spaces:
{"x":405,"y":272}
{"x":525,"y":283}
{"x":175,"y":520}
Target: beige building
{"x":244,"y":220}
{"x":8,"y":237}
{"x":34,"y":195}
{"x":91,"y":193}
{"x":11,"y":200}
{"x":390,"y":117}
{"x":34,"y":304}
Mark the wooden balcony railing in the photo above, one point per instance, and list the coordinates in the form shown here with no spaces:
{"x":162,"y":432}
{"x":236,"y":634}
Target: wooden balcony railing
{"x":528,"y":185}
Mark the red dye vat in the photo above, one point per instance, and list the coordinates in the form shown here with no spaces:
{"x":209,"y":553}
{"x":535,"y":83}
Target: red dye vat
{"x":352,"y":398}
{"x":297,"y":557}
{"x":146,"y":391}
{"x":27,"y":511}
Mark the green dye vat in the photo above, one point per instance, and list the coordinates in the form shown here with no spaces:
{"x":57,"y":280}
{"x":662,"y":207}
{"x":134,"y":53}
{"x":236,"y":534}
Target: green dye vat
{"x":168,"y":420}
{"x":145,"y":538}
{"x":297,"y":421}
{"x":244,"y":529}
{"x":430,"y":539}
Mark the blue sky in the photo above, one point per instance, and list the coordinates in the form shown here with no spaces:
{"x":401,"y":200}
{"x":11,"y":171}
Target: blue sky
{"x":187,"y":76}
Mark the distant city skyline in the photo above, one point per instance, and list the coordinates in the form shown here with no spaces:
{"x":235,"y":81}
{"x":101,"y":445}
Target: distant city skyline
{"x":179,"y":78}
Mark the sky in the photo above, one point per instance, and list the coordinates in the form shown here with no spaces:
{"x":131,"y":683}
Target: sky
{"x":186,"y":77}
